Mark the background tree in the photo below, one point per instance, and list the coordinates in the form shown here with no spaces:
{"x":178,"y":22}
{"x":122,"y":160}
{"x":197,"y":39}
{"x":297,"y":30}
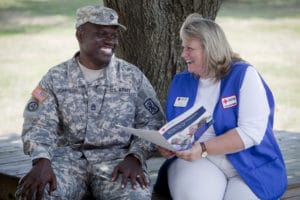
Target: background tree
{"x":152,"y":38}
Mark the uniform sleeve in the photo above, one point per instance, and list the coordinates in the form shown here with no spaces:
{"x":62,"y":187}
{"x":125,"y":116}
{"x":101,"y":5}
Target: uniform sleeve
{"x":40,"y":121}
{"x":253,"y":110}
{"x":149,"y":115}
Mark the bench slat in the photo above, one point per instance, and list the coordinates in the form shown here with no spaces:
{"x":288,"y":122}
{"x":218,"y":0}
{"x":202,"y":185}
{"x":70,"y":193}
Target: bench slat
{"x":14,"y":164}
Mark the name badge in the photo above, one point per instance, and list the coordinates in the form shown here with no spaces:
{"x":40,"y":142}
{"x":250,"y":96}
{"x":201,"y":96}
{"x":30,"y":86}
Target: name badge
{"x":228,"y":102}
{"x":181,"y":101}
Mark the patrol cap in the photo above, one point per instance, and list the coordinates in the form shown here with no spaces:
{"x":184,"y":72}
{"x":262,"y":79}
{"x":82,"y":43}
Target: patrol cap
{"x":97,"y":15}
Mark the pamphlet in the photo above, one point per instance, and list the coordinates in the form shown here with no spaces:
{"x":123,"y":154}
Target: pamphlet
{"x":180,"y":133}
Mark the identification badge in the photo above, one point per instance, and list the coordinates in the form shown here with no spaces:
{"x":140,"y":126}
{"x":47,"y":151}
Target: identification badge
{"x":181,"y":101}
{"x":228,"y":102}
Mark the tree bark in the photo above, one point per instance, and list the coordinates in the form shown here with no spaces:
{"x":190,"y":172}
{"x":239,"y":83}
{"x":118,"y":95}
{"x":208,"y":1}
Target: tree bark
{"x":151,"y":40}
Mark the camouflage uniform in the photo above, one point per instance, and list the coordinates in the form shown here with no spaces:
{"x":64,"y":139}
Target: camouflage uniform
{"x":74,"y":125}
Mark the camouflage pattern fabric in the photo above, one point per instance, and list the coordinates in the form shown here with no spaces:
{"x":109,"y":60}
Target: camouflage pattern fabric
{"x":74,"y":174}
{"x":67,"y":112}
{"x":97,"y":15}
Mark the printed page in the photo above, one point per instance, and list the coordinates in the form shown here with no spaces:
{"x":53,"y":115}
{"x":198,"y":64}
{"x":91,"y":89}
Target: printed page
{"x":180,"y":133}
{"x":150,"y":135}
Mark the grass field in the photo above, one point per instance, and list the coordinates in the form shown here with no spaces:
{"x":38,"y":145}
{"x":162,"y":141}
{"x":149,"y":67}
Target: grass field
{"x":267,"y":34}
{"x":37,"y":34}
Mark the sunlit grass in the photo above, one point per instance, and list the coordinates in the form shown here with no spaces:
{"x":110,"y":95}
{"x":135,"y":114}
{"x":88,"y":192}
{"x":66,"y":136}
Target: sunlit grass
{"x":38,"y":34}
{"x":271,"y":9}
{"x":34,"y":35}
{"x":33,"y":16}
{"x":266,"y":34}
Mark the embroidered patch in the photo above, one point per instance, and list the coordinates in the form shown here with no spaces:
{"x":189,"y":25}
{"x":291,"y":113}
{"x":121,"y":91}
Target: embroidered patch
{"x":32,"y":106}
{"x":119,"y":89}
{"x":39,"y":94}
{"x":228,"y":102}
{"x":181,"y":101}
{"x":151,"y":106}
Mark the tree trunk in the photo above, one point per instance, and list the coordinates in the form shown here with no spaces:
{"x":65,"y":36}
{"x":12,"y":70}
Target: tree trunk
{"x":151,"y":40}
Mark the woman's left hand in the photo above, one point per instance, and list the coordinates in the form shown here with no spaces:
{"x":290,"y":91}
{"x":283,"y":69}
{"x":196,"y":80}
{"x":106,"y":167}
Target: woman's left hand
{"x":191,"y":154}
{"x":165,"y":152}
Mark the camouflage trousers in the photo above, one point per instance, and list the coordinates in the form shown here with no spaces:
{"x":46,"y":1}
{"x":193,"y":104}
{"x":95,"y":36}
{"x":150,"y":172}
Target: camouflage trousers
{"x":77,"y":178}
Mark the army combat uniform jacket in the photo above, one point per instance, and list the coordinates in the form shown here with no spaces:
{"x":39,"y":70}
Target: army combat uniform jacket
{"x":67,"y":111}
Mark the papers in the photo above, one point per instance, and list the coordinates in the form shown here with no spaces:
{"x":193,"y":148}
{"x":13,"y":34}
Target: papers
{"x":178,"y":134}
{"x":150,"y":135}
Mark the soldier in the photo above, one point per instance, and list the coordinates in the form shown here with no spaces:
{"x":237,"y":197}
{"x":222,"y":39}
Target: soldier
{"x":70,"y":122}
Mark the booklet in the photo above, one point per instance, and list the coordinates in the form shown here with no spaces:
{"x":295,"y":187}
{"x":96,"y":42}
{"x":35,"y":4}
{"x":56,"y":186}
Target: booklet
{"x":180,"y":133}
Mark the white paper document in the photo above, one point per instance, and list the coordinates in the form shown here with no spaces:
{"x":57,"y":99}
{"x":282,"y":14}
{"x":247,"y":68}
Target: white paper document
{"x":178,"y":134}
{"x":150,"y":135}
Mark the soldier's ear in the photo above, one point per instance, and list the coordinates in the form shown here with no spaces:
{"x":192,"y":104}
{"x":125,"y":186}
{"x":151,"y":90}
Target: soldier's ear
{"x":79,"y":34}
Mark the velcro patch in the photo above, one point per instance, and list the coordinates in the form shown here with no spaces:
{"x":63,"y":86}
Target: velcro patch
{"x":151,"y":106}
{"x":32,"y":106}
{"x":39,"y":94}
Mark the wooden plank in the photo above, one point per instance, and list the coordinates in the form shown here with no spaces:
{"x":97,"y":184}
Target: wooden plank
{"x":8,"y":157}
{"x":17,"y":171}
{"x":9,"y":147}
{"x":292,"y":193}
{"x":14,"y":164}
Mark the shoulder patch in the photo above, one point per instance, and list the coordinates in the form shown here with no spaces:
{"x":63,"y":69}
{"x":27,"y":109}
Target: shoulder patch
{"x":39,"y":94}
{"x":32,"y":106}
{"x":151,"y":106}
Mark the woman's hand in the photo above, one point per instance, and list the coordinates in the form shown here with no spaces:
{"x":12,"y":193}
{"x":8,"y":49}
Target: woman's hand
{"x":191,"y":154}
{"x":165,"y":152}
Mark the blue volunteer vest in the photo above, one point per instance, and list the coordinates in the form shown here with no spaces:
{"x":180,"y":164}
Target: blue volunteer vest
{"x":261,"y":166}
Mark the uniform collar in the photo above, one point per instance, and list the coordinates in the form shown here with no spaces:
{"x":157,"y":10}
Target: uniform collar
{"x":108,"y":77}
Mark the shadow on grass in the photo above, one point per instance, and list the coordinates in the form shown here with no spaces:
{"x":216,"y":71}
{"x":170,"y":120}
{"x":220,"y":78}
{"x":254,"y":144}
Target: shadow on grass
{"x":242,"y":8}
{"x":44,"y":7}
{"x":266,"y":9}
{"x":27,"y":16}
{"x":20,"y":16}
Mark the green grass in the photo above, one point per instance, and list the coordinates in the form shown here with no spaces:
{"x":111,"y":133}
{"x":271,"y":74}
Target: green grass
{"x":45,"y":7}
{"x":33,"y":16}
{"x":38,"y":34}
{"x":34,"y":35}
{"x":267,"y":9}
{"x":267,"y":34}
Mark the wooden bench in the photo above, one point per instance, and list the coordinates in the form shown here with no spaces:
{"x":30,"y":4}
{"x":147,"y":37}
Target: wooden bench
{"x":14,"y":164}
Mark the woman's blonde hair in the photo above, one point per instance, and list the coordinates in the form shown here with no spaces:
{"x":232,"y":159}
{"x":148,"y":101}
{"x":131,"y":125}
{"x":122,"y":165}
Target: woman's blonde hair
{"x":219,"y":54}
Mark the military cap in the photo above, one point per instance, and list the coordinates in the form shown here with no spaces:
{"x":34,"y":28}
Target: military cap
{"x":97,"y":15}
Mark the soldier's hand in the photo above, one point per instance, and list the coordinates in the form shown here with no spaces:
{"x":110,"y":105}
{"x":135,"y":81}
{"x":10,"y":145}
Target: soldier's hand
{"x":35,"y":181}
{"x":131,"y":169}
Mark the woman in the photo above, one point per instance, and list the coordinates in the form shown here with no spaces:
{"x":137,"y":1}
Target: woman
{"x":238,"y":157}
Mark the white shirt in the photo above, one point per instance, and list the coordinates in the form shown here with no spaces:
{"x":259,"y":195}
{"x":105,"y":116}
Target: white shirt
{"x":90,"y":74}
{"x":253,"y":107}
